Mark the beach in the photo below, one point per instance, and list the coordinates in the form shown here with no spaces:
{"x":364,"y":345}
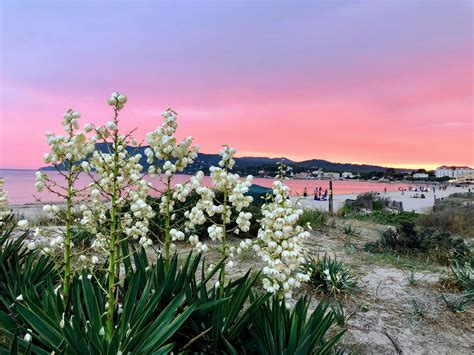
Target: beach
{"x":419,"y":205}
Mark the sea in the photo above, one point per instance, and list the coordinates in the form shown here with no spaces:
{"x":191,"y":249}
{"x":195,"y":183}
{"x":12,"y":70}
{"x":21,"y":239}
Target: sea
{"x":20,"y":185}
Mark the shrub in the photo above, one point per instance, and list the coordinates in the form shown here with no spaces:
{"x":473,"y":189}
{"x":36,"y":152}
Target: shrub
{"x":440,"y":246}
{"x":454,"y":214}
{"x":392,"y":218}
{"x":330,"y":276}
{"x":314,"y":217}
{"x":370,"y":201}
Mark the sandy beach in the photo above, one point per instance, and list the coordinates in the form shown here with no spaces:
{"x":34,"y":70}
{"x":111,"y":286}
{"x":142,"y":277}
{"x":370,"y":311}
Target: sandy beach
{"x":409,"y":203}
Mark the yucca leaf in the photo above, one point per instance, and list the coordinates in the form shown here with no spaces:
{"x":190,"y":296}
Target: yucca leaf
{"x":38,"y":322}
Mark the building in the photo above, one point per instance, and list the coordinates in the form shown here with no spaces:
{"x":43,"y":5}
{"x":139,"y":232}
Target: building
{"x":421,"y":175}
{"x":453,"y":172}
{"x":330,"y":175}
{"x":303,"y":175}
{"x":347,"y":175}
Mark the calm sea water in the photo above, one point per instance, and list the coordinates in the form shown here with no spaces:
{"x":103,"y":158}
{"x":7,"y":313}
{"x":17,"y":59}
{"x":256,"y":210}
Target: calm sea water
{"x":20,"y":185}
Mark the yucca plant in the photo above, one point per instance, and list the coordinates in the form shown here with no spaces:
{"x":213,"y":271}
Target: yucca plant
{"x":350,"y":230}
{"x":458,"y":303}
{"x":219,"y":322}
{"x":21,"y":267}
{"x":463,"y":273}
{"x":340,"y":314}
{"x":143,"y":323}
{"x":330,"y":276}
{"x":279,"y":330}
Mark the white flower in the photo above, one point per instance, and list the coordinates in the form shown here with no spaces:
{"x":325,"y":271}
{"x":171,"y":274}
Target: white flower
{"x":27,"y":337}
{"x":111,"y":125}
{"x":280,"y":243}
{"x":19,"y":298}
{"x":112,"y":101}
{"x":39,"y":186}
{"x":122,"y":99}
{"x":23,"y":223}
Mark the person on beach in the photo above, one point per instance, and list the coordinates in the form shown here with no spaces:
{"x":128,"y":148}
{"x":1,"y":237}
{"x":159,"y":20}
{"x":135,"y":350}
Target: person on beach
{"x":385,"y":190}
{"x":305,"y":192}
{"x":325,"y":196}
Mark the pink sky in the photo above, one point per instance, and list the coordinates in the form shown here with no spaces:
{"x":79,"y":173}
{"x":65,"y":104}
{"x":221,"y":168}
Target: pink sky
{"x":386,"y":83}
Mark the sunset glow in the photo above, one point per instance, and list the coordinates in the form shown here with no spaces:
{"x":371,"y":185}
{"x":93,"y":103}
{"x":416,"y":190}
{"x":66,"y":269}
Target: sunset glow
{"x":386,"y":83}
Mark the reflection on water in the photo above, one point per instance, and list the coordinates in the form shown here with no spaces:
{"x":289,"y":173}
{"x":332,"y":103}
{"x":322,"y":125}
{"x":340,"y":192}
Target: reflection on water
{"x":20,"y":185}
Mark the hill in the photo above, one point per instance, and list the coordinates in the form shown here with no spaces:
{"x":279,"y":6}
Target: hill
{"x":205,"y":161}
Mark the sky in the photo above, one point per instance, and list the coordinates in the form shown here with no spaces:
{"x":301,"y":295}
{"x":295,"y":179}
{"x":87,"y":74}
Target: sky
{"x":377,"y":81}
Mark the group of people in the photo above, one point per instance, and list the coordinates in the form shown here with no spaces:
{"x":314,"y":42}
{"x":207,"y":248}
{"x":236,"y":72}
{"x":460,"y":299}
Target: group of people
{"x":319,"y":195}
{"x":420,"y":188}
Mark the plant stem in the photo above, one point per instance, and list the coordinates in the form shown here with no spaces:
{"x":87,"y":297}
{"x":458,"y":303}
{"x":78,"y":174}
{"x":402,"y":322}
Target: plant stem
{"x":112,"y":243}
{"x":168,"y":223}
{"x":67,"y":243}
{"x":117,"y":250}
{"x":224,"y":245}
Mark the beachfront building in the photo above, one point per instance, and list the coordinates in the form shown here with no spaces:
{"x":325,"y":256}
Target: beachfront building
{"x":347,"y":175}
{"x":421,"y":175}
{"x":320,"y":174}
{"x":454,"y":172}
{"x":331,"y":175}
{"x":303,"y":175}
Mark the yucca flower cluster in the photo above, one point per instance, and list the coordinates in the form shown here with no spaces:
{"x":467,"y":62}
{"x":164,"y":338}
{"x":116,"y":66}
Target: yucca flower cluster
{"x":65,"y":153}
{"x":220,"y":212}
{"x":118,"y":179}
{"x":166,"y":155}
{"x":280,"y":243}
{"x":164,"y":146}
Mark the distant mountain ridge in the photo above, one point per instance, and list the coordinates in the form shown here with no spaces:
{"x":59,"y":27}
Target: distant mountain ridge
{"x":205,"y":161}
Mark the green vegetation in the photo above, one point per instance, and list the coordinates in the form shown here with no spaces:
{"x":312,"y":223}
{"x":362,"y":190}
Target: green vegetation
{"x":457,"y":303}
{"x":21,"y":268}
{"x":387,"y":217}
{"x":419,"y":309}
{"x":315,"y":218}
{"x":157,"y":225}
{"x":161,"y":308}
{"x":406,"y":240}
{"x":463,"y":279}
{"x":330,"y":276}
{"x":340,"y":314}
{"x":279,"y":330}
{"x":349,"y":230}
{"x":453,"y":214}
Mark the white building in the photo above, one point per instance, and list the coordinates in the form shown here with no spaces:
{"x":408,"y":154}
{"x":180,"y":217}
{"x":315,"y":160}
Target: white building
{"x":454,"y":172}
{"x":347,"y":175}
{"x":330,"y":175}
{"x":421,"y":175}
